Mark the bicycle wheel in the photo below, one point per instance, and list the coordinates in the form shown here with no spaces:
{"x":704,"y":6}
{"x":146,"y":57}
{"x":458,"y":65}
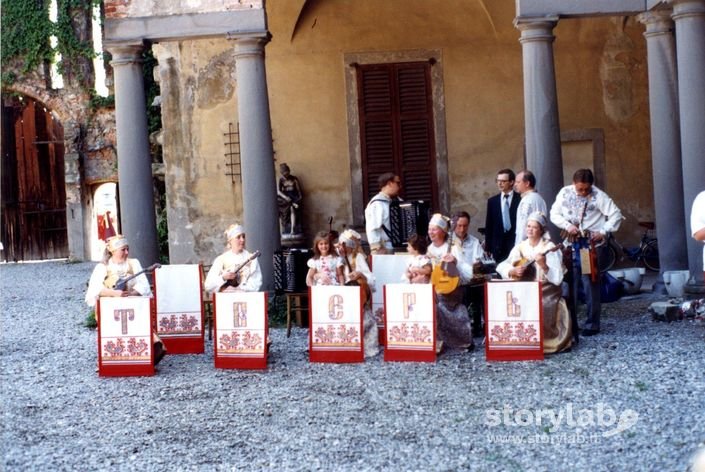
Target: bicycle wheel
{"x":650,"y":256}
{"x":606,"y":257}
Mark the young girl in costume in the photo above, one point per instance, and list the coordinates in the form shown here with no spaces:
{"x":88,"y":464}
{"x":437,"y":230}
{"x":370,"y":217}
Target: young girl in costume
{"x":420,"y":267}
{"x":325,"y":267}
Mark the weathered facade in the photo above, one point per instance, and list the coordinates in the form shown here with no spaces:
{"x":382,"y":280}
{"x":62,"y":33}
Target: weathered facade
{"x":88,"y":153}
{"x":498,"y":84}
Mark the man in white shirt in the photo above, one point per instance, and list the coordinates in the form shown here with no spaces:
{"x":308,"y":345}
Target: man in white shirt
{"x":377,"y":223}
{"x":586,"y":214}
{"x":531,"y":201}
{"x":471,"y":253}
{"x":697,"y":221}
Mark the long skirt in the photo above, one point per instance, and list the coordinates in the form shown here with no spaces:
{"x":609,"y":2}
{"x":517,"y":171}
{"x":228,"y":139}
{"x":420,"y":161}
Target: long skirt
{"x":371,"y":333}
{"x":453,"y":325}
{"x":557,"y":333}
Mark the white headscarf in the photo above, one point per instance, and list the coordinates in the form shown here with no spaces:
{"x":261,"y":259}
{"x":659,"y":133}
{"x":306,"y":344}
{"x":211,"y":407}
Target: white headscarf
{"x":234,"y":231}
{"x":440,"y":221}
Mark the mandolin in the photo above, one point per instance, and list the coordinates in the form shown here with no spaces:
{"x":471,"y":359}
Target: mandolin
{"x":236,"y":281}
{"x":527,"y":264}
{"x":445,"y":276}
{"x":121,"y":283}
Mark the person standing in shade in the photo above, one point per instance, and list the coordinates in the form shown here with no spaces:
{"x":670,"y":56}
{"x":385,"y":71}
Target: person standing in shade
{"x":530,"y":202}
{"x":500,"y":222}
{"x":377,"y":222}
{"x":585,"y":214}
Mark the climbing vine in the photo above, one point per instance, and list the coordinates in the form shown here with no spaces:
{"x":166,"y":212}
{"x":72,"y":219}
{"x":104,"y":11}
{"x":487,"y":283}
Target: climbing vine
{"x":74,"y":42}
{"x":25,"y":37}
{"x":26,"y":32}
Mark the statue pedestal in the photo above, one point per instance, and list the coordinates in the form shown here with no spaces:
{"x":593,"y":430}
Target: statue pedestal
{"x":293,"y":240}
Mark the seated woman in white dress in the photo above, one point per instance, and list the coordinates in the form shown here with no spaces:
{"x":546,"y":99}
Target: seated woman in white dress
{"x":537,"y":258}
{"x":115,"y":266}
{"x":453,"y":321}
{"x":325,"y":267}
{"x":236,"y":269}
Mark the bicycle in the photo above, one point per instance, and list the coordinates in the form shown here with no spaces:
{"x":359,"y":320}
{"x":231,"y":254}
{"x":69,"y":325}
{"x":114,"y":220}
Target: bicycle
{"x":646,"y":252}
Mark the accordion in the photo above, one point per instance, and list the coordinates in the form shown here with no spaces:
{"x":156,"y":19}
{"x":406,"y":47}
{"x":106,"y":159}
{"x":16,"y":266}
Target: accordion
{"x":290,"y":269}
{"x":407,"y":218}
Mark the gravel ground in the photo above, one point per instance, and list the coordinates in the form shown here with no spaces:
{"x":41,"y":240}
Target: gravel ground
{"x":632,"y":398}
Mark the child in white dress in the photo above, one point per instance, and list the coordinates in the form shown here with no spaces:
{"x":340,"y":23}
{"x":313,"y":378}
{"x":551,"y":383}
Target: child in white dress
{"x":420,"y":267}
{"x":325,"y":267}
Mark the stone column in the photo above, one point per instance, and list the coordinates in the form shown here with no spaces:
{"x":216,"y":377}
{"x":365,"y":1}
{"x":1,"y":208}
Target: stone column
{"x":137,"y":216}
{"x":543,"y":135}
{"x":259,"y":196}
{"x":665,"y":139}
{"x":689,"y":17}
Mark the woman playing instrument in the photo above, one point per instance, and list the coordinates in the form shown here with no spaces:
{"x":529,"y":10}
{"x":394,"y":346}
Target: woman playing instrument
{"x":537,"y":258}
{"x":419,"y":269}
{"x":236,"y":269}
{"x":356,"y":271}
{"x":114,"y":266}
{"x":325,"y":267}
{"x":453,"y":322}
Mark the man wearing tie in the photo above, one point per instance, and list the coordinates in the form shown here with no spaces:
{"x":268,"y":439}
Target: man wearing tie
{"x":500,"y":222}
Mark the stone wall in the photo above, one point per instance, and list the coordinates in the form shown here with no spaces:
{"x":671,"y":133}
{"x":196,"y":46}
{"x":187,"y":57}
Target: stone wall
{"x":144,"y":8}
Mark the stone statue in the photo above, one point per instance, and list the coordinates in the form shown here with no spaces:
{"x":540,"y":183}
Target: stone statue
{"x":289,"y":197}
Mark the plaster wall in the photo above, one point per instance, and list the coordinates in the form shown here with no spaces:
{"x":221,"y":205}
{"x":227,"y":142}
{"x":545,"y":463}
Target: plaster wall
{"x":197,"y":81}
{"x":601,"y":80}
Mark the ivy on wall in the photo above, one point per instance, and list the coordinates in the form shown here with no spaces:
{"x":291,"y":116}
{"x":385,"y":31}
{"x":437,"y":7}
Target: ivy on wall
{"x":26,"y":29}
{"x":25,"y":37}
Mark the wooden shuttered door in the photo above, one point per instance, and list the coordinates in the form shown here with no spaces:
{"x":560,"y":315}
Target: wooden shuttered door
{"x":396,"y":128}
{"x":34,"y":193}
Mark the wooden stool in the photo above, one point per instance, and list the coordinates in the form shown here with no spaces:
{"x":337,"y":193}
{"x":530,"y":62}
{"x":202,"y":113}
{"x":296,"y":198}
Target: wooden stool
{"x":294,"y":303}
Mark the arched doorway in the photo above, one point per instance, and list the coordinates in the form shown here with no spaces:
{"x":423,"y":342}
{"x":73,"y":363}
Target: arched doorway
{"x":105,"y":220}
{"x":33,"y":183}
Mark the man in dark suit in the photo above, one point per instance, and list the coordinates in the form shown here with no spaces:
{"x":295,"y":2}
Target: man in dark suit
{"x":500,"y":222}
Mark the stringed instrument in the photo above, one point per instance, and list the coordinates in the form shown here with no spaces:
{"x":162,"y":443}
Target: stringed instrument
{"x":236,"y":280}
{"x":121,"y":283}
{"x":445,"y":276}
{"x":528,"y":264}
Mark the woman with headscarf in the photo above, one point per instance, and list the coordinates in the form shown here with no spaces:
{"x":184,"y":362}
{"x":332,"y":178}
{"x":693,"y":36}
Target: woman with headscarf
{"x":236,"y":269}
{"x":356,"y":271}
{"x":453,"y":325}
{"x":536,"y":258}
{"x":114,"y":266}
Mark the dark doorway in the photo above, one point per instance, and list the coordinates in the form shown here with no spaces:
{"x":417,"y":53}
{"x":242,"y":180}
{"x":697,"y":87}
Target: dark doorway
{"x":33,"y":182}
{"x":396,"y":128}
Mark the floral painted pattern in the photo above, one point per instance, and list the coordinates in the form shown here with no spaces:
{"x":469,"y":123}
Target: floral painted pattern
{"x":515,"y":334}
{"x":239,"y":342}
{"x":117,"y":348}
{"x":416,"y":334}
{"x":339,"y":335}
{"x":183,"y":323}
